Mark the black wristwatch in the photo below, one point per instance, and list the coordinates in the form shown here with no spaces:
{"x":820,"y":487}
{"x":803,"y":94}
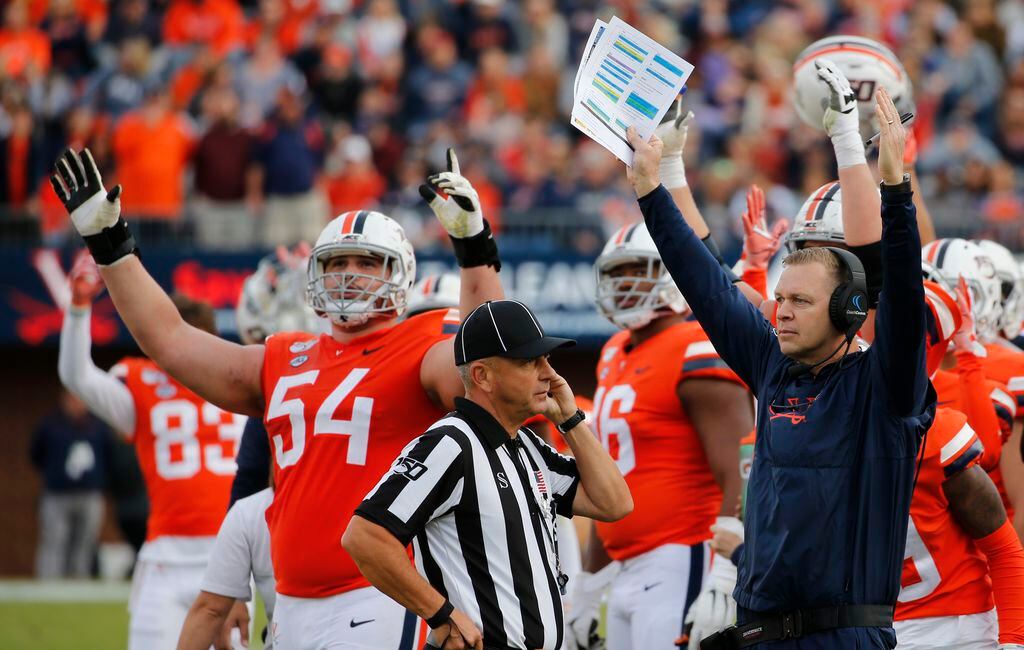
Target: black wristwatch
{"x":577,"y":417}
{"x":903,"y":186}
{"x":442,"y":616}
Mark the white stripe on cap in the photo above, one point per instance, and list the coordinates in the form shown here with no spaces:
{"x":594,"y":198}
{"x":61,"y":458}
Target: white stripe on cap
{"x":463,"y":337}
{"x":959,"y":441}
{"x":530,"y":314}
{"x":504,"y":347}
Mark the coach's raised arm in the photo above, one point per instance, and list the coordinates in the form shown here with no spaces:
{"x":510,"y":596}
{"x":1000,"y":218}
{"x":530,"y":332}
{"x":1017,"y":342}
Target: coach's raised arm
{"x":837,"y":431}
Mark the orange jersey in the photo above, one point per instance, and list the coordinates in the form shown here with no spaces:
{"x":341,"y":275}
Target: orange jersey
{"x":638,"y":418}
{"x":337,"y":417}
{"x":1005,"y":364}
{"x":186,"y":449}
{"x":944,"y":573}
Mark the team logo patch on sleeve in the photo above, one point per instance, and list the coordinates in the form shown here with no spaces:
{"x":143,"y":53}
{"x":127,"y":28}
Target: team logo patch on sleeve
{"x":409,"y":467}
{"x":301,"y":346}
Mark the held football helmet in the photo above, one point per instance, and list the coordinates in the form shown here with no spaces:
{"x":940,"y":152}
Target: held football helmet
{"x":630,"y":301}
{"x":867,"y":65}
{"x":1011,"y":284}
{"x":434,"y":292}
{"x":351,"y":298}
{"x":951,"y":258}
{"x":820,"y":219}
{"x":273,"y":300}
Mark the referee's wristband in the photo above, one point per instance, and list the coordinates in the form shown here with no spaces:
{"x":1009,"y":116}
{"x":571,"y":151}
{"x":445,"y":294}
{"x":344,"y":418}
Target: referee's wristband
{"x":442,"y":616}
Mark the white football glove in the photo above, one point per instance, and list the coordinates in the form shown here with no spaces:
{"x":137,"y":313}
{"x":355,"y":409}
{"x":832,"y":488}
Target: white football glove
{"x":460,"y":212}
{"x":715,"y":608}
{"x":585,"y":596}
{"x":842,"y":117}
{"x":672,"y":131}
{"x":78,"y":185}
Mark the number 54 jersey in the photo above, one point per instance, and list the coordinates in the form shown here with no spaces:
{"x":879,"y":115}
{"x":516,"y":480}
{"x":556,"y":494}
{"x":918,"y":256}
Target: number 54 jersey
{"x":337,"y":416}
{"x":639,"y":420}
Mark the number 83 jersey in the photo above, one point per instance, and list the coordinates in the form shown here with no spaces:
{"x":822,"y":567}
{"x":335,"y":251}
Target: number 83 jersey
{"x":337,"y":416}
{"x":639,"y":420}
{"x":186,"y":449}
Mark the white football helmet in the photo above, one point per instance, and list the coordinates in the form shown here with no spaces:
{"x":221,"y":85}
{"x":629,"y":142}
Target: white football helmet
{"x":273,"y":300}
{"x":434,"y":292}
{"x":351,"y":298}
{"x":951,"y":258}
{"x":1011,"y":285}
{"x":867,"y":64}
{"x":632,"y":302}
{"x":820,"y":218}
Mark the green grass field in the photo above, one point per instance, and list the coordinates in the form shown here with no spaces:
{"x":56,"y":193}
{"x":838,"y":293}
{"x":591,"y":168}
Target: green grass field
{"x":59,"y":625}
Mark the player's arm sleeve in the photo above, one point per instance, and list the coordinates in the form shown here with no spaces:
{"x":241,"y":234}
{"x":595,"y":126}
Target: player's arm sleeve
{"x":563,"y":473}
{"x":425,"y":482}
{"x":253,"y":461}
{"x":1006,"y":567}
{"x":898,"y":350}
{"x":757,"y":279}
{"x":742,"y":336}
{"x":230,"y":565}
{"x":979,"y":409}
{"x":105,"y":396}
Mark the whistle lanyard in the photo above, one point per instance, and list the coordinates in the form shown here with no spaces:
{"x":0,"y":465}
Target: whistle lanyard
{"x":537,"y":508}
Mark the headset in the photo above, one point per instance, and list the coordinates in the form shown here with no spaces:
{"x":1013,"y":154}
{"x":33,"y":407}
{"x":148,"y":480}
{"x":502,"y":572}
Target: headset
{"x":848,"y":307}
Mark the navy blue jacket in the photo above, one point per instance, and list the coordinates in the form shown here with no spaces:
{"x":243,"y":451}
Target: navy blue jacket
{"x":829,"y":492}
{"x":253,"y":461}
{"x":71,"y":454}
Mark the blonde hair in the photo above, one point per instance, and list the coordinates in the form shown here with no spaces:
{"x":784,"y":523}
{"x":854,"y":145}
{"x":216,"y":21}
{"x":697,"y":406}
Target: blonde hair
{"x":822,"y":256}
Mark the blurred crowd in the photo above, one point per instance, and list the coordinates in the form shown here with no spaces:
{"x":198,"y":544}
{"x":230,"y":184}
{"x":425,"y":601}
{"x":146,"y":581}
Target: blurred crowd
{"x":248,"y":123}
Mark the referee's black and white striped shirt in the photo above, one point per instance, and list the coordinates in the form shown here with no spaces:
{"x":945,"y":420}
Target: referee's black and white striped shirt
{"x":480,"y":509}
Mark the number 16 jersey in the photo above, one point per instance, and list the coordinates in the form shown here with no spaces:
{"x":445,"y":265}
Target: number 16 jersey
{"x":337,"y":415}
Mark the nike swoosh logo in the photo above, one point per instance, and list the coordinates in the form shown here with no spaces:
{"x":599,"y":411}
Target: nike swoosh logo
{"x":651,"y":586}
{"x":355,"y":623}
{"x":372,"y":350}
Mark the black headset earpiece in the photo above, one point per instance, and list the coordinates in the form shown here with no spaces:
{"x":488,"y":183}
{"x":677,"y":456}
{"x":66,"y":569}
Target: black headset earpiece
{"x":848,"y":307}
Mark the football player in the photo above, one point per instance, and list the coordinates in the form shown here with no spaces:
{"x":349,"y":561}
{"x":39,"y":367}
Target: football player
{"x":186,"y":449}
{"x":434,"y":292}
{"x":671,"y":413}
{"x":961,"y":549}
{"x":951,"y":259}
{"x":338,"y":408}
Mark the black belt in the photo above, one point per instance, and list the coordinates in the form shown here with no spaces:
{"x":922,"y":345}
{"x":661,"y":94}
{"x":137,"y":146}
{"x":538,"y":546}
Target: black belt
{"x":793,"y":625}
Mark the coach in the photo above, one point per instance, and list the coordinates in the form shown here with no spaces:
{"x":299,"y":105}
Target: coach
{"x":477,"y":495}
{"x":837,"y":431}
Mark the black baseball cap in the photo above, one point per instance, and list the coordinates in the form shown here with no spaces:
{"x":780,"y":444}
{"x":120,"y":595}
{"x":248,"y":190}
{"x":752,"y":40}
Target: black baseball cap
{"x":503,"y":328}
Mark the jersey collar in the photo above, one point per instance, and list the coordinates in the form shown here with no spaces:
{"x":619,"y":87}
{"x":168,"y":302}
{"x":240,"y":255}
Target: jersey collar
{"x":482,"y":422}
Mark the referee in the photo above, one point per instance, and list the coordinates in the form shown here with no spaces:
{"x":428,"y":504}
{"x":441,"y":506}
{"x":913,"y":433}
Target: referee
{"x":477,"y":496}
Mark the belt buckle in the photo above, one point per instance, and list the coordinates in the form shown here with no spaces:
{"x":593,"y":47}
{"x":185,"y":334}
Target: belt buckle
{"x":793,"y":625}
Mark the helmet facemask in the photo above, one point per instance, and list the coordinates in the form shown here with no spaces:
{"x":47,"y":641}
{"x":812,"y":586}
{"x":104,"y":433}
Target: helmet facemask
{"x":351,"y":298}
{"x":633,"y":301}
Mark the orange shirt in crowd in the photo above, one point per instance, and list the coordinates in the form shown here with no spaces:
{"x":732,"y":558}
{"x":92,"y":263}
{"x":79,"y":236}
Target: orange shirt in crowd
{"x":354,"y":190}
{"x":217,"y":22}
{"x":20,"y":48}
{"x":150,"y":161}
{"x":92,"y":12}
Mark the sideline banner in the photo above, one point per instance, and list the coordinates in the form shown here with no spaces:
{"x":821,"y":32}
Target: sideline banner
{"x":34,"y":291}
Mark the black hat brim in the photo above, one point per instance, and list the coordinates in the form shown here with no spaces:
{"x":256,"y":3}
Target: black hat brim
{"x":537,"y":348}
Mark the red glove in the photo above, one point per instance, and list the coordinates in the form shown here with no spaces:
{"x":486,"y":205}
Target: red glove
{"x":760,"y":245}
{"x":966,"y":337}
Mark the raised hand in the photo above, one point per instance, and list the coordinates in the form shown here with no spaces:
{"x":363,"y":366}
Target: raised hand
{"x":459,"y":212}
{"x":78,"y":185}
{"x":966,"y":337}
{"x":85,"y":280}
{"x":760,"y":244}
{"x":644,"y":174}
{"x":673,"y":131}
{"x":892,"y":139}
{"x":842,"y":115}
